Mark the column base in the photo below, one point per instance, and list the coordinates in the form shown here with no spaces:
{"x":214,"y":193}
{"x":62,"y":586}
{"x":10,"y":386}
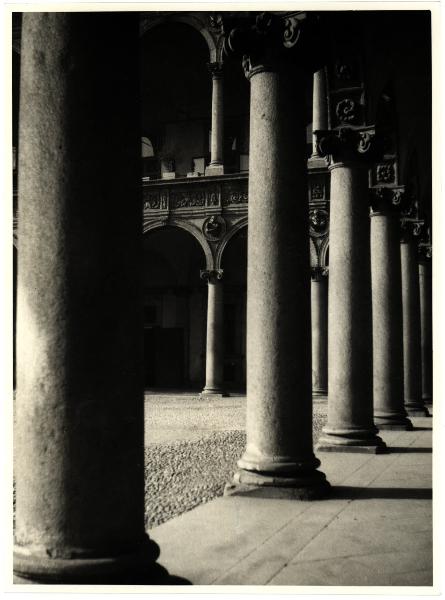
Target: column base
{"x":320,"y":393}
{"x":417,"y":409}
{"x":395,"y":422}
{"x":209,"y":392}
{"x":351,"y":440}
{"x":214,"y":170}
{"x":310,"y":486}
{"x":138,"y":566}
{"x":427,"y":400}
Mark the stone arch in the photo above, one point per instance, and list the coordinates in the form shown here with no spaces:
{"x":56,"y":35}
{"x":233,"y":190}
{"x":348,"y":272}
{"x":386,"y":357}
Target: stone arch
{"x":313,"y":252}
{"x":190,"y":228}
{"x":324,"y":253}
{"x":191,"y":20}
{"x":223,"y":243}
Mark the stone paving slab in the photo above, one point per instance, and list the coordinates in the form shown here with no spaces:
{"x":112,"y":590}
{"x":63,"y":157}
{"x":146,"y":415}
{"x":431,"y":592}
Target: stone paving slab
{"x":375,"y":530}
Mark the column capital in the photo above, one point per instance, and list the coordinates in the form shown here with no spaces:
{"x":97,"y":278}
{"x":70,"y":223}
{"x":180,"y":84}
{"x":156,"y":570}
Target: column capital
{"x":348,"y":145}
{"x":317,"y":273}
{"x":265,"y":43}
{"x":387,"y":200}
{"x":425,"y":252}
{"x":410,"y":230}
{"x":211,"y":275}
{"x":216,"y":69}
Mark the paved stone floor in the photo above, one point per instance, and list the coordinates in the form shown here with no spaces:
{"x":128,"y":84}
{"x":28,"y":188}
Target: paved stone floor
{"x":374,"y":530}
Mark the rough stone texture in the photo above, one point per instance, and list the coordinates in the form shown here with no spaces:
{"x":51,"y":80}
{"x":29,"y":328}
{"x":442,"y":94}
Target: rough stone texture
{"x":350,"y":409}
{"x":387,"y":327}
{"x":319,"y":319}
{"x":196,"y":450}
{"x":279,"y":436}
{"x":426,"y":329}
{"x":412,"y":357}
{"x":79,"y":407}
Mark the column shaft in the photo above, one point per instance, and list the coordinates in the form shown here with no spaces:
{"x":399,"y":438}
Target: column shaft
{"x":387,"y":328}
{"x":350,"y":424}
{"x":215,"y":335}
{"x":79,"y":455}
{"x":412,"y":355}
{"x":319,"y":317}
{"x":319,"y":107}
{"x":279,"y":449}
{"x":426,"y":329}
{"x":216,"y":166}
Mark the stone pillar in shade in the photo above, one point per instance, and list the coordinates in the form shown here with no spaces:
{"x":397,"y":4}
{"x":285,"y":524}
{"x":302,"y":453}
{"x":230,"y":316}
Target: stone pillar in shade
{"x":279,"y":458}
{"x":412,"y":354}
{"x":216,"y":166}
{"x":426,"y":325}
{"x":387,"y":326}
{"x":319,"y":319}
{"x":215,"y":333}
{"x":350,"y":425}
{"x":79,"y":454}
{"x":319,"y":107}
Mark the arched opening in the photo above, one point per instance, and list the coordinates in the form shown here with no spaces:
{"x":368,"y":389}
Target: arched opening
{"x":176,"y":92}
{"x":234,"y":265}
{"x":174,"y":310}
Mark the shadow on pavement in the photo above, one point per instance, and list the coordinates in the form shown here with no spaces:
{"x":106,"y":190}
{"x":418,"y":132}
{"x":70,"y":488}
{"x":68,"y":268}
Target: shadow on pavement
{"x":369,"y":493}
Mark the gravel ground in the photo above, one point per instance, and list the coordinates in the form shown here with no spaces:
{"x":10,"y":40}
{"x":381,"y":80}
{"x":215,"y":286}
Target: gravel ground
{"x":182,"y":474}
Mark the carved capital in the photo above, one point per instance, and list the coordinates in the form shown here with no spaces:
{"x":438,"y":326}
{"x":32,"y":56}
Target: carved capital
{"x":317,"y":273}
{"x":266,"y":43}
{"x":216,"y":69}
{"x":348,"y":145}
{"x":385,"y":200}
{"x":411,"y":230}
{"x":425,"y":252}
{"x":211,"y":275}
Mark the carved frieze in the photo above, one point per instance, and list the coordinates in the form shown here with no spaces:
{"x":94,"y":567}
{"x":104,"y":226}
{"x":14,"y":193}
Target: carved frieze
{"x":316,"y":190}
{"x":234,"y":193}
{"x":155,"y":199}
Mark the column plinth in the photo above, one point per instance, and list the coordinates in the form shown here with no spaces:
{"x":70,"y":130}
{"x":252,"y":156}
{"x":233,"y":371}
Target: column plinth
{"x":216,"y":166}
{"x":350,"y":426}
{"x":78,"y":442}
{"x":412,"y":354}
{"x":387,"y":326}
{"x":279,"y":459}
{"x":319,"y":320}
{"x":215,"y":333}
{"x":426,"y":325}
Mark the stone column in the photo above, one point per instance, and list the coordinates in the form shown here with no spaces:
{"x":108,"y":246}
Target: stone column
{"x":426,"y":325}
{"x":215,"y":334}
{"x":279,"y":458}
{"x":412,"y":354}
{"x":387,"y":327}
{"x":350,"y":425}
{"x":79,"y":455}
{"x":319,"y":318}
{"x":216,"y":166}
{"x":319,"y":107}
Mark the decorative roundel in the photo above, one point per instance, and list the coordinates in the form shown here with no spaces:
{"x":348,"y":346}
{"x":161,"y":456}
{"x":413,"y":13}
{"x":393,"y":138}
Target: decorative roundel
{"x":318,"y":221}
{"x":214,"y":228}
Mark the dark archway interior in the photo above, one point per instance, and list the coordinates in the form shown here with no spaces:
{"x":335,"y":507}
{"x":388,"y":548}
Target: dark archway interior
{"x":174,"y":309}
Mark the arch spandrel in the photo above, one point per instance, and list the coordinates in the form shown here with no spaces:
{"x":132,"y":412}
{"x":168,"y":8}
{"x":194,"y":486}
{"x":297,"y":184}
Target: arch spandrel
{"x":228,"y":236}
